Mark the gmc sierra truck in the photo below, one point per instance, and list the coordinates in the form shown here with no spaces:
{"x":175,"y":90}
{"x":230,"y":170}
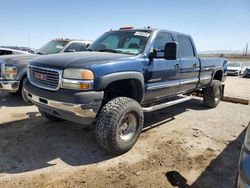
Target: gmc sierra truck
{"x":13,"y":68}
{"x":124,"y":74}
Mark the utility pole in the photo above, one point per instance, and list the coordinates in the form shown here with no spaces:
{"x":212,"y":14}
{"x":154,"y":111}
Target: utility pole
{"x":246,"y":49}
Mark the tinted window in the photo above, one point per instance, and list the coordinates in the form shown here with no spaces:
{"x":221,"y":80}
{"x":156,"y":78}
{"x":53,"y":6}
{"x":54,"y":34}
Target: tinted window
{"x":5,"y":52}
{"x":161,"y":40}
{"x":185,"y":46}
{"x":77,"y":47}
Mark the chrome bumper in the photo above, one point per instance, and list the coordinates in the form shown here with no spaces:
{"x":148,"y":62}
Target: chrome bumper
{"x":10,"y":86}
{"x":79,"y":113}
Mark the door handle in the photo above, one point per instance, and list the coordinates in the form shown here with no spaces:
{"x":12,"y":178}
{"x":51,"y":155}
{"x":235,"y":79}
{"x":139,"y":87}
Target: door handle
{"x":194,"y":65}
{"x":177,"y":65}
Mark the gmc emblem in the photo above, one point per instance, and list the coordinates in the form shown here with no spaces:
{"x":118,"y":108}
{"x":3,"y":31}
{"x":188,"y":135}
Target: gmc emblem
{"x":40,"y":76}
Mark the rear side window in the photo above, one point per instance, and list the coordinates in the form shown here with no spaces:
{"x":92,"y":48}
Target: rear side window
{"x":185,"y":46}
{"x":161,"y":39}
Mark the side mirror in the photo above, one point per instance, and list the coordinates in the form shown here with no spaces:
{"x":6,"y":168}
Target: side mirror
{"x":170,"y":51}
{"x":70,"y":50}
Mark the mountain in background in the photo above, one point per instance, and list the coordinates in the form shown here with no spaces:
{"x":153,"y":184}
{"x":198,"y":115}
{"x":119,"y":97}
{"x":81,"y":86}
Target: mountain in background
{"x":220,"y":52}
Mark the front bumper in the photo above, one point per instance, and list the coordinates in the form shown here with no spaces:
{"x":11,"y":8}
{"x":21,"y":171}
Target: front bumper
{"x":9,"y":85}
{"x":76,"y":106}
{"x":233,"y":73}
{"x":244,"y":169}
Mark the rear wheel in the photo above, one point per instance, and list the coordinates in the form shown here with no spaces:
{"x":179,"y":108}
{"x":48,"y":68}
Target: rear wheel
{"x":50,"y":117}
{"x":212,"y":94}
{"x":119,"y":125}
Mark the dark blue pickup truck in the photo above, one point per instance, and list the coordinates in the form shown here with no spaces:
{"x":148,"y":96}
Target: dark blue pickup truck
{"x":123,"y":74}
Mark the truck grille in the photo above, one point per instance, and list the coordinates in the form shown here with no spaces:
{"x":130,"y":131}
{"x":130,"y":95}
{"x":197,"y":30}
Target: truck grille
{"x":45,"y":78}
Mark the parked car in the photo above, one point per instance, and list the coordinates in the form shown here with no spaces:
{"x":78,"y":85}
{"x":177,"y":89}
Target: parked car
{"x":235,"y":68}
{"x":9,"y":51}
{"x":246,"y":73}
{"x":243,"y":178}
{"x":20,"y":48}
{"x":13,"y":68}
{"x":125,"y":73}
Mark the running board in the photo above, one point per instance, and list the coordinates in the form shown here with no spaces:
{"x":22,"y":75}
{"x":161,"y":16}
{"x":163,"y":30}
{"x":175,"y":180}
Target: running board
{"x":167,"y":104}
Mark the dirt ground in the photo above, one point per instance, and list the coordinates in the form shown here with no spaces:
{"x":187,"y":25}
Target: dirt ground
{"x":187,"y":145}
{"x":237,"y":87}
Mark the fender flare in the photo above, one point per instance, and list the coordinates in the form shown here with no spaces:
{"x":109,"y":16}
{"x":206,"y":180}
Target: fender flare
{"x":118,"y":76}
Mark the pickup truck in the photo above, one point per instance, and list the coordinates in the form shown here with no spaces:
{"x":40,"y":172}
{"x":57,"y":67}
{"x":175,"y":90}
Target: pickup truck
{"x":124,"y":74}
{"x":13,"y":68}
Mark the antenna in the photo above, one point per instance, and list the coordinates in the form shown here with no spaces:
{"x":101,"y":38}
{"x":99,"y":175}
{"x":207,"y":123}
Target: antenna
{"x":28,"y":39}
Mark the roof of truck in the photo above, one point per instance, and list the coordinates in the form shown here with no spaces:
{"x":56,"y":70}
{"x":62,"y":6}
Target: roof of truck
{"x":149,"y":29}
{"x":70,"y":40}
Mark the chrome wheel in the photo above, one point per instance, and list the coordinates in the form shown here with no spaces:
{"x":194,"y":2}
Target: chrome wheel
{"x":128,"y":127}
{"x":217,"y":95}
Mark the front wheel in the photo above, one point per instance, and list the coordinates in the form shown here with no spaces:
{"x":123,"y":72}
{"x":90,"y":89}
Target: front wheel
{"x":212,"y":94}
{"x":119,"y":125}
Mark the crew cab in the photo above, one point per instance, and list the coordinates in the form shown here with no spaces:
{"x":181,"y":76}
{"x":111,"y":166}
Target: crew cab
{"x":13,"y":68}
{"x":124,"y":74}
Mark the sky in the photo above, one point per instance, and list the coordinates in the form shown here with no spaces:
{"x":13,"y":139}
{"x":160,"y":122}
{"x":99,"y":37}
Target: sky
{"x":213,"y":24}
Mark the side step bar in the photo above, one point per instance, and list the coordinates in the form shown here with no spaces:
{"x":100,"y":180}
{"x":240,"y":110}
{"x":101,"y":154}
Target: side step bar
{"x":167,"y":104}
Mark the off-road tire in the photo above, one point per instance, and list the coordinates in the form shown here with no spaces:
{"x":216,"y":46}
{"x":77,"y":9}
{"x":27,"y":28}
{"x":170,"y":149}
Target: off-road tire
{"x":211,"y":97}
{"x":109,"y":120}
{"x":50,"y":117}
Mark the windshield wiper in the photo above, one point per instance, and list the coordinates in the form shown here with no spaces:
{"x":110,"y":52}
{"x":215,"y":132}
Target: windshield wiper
{"x":90,"y":50}
{"x":110,"y":50}
{"x":40,"y":53}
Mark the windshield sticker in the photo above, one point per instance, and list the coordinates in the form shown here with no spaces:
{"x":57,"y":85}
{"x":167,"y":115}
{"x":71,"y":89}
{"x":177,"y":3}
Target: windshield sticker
{"x":143,"y":34}
{"x":59,"y":47}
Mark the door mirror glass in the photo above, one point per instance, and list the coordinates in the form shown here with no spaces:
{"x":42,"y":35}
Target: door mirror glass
{"x":170,"y":51}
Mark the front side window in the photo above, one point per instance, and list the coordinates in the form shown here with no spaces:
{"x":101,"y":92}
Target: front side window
{"x":160,"y":41}
{"x":128,"y":42}
{"x":185,"y":46}
{"x":52,"y":47}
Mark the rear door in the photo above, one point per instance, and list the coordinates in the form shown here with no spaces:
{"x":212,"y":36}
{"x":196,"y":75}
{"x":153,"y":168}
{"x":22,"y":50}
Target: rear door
{"x":189,"y":63}
{"x":162,"y":76}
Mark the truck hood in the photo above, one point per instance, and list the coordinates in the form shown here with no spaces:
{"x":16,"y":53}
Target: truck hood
{"x":78,"y":59}
{"x":13,"y":60}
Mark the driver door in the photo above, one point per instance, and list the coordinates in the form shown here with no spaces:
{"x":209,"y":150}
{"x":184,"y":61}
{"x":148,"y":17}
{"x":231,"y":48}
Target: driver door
{"x":162,"y":76}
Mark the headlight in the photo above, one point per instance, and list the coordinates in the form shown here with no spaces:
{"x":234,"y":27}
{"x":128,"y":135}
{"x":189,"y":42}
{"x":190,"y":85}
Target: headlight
{"x":10,"y":72}
{"x":80,"y":74}
{"x":78,"y":79}
{"x":247,"y":138}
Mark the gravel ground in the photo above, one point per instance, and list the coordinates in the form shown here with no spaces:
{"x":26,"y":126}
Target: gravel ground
{"x":188,"y":145}
{"x":237,"y":87}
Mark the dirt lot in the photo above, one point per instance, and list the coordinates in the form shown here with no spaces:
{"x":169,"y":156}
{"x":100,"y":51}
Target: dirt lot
{"x":237,"y":87}
{"x":190,"y":146}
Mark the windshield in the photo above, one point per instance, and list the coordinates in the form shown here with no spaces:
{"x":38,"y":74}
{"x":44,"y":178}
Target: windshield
{"x":127,"y":42}
{"x":234,"y":65}
{"x":52,"y":47}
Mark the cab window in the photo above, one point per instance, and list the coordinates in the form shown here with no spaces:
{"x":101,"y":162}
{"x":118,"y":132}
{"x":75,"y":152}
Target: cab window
{"x":185,"y":46}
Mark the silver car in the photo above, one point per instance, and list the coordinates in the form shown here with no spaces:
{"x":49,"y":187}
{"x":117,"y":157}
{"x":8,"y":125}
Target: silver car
{"x":243,"y":179}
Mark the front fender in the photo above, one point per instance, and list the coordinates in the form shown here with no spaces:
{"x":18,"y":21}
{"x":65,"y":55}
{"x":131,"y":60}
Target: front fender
{"x":108,"y":79}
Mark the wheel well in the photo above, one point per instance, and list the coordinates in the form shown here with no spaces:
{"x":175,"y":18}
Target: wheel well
{"x":131,"y":88}
{"x":218,"y":75}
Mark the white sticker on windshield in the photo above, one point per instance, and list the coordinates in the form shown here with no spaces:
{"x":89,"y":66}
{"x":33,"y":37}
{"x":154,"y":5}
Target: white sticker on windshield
{"x":143,"y":34}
